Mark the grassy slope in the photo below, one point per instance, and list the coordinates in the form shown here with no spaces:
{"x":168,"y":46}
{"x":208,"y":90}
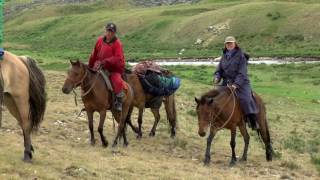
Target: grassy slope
{"x":63,"y":150}
{"x":264,"y":28}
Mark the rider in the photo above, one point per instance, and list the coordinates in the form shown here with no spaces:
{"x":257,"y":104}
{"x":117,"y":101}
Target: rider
{"x":108,"y":53}
{"x":233,"y":70}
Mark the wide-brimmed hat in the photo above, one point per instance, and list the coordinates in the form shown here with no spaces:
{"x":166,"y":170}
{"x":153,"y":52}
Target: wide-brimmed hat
{"x":230,"y":39}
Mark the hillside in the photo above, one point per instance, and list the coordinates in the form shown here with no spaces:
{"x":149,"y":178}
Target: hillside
{"x":263,"y":28}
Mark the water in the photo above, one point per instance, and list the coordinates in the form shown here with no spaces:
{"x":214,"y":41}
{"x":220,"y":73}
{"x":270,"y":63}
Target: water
{"x":214,"y":63}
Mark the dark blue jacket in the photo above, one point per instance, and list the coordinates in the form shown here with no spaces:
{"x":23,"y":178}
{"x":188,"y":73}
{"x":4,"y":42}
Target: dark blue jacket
{"x":232,"y":69}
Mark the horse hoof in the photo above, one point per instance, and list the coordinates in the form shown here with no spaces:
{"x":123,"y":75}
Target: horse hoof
{"x":27,"y":157}
{"x":152,"y":134}
{"x":27,"y":160}
{"x":139,"y":136}
{"x":243,"y":159}
{"x":105,"y":144}
{"x":206,"y":162}
{"x":125,"y":144}
{"x":232,"y":163}
{"x":93,"y":143}
{"x":173,"y":136}
{"x":114,"y":144}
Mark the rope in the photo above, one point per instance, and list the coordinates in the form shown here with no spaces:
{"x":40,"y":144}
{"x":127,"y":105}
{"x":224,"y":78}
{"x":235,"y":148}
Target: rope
{"x":234,"y":106}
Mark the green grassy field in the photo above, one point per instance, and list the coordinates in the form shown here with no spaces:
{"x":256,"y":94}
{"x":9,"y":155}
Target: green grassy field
{"x":55,"y":33}
{"x":63,"y":150}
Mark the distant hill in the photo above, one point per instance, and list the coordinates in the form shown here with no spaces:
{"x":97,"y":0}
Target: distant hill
{"x":263,"y":28}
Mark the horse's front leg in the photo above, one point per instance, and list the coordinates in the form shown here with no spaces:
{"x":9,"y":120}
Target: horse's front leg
{"x":100,"y":128}
{"x":207,"y":156}
{"x":90,"y":124}
{"x":233,"y":145}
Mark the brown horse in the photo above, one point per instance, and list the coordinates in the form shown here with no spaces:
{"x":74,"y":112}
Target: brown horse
{"x":23,"y":85}
{"x":97,"y":98}
{"x":218,"y":109}
{"x":140,"y":99}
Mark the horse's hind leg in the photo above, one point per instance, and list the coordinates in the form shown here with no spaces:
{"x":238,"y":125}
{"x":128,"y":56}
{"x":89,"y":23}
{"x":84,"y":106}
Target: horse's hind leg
{"x":23,"y":107}
{"x":90,"y":124}
{"x":156,"y":115}
{"x":100,"y":128}
{"x":233,"y":145}
{"x":128,"y":121}
{"x":246,"y":139}
{"x":170,"y":107}
{"x":140,"y":122}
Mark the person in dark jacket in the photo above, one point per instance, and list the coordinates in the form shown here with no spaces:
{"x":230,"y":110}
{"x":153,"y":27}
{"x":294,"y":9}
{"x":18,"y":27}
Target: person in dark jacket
{"x":232,"y":70}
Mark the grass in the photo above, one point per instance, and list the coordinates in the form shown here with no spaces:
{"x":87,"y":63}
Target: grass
{"x":63,"y":150}
{"x":61,"y":32}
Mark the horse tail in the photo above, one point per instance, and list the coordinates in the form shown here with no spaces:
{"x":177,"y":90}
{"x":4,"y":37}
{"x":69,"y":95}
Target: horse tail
{"x":264,"y":132}
{"x":37,"y":93}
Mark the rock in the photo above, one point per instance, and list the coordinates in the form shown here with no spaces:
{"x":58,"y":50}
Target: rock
{"x":198,"y":41}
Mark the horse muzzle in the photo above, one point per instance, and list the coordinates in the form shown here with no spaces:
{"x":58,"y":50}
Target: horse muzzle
{"x":202,"y":133}
{"x":66,"y":90}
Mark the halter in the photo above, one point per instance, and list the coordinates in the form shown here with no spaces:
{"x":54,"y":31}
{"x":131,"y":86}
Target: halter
{"x":83,"y":94}
{"x":215,"y":116}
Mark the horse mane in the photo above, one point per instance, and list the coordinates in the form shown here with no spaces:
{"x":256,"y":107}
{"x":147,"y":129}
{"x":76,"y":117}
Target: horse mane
{"x":212,"y":94}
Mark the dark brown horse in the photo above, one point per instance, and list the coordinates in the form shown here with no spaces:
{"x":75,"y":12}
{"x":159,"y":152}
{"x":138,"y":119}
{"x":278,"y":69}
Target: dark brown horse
{"x":140,"y":100}
{"x":218,"y":109}
{"x":97,"y":98}
{"x":23,"y":85}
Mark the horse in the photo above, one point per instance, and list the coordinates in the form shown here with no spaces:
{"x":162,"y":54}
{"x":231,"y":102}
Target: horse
{"x":219,"y":109}
{"x":97,"y":97}
{"x":24,"y":94}
{"x":140,"y":100}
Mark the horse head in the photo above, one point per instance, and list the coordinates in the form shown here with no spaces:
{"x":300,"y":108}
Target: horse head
{"x":204,"y":111}
{"x":75,"y":76}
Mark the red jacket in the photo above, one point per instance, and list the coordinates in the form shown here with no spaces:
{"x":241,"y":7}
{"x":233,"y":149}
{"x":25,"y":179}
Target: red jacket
{"x":111,"y":55}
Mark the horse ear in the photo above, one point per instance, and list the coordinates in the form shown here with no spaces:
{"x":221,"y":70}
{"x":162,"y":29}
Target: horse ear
{"x":71,"y":62}
{"x":210,"y":101}
{"x":197,"y":100}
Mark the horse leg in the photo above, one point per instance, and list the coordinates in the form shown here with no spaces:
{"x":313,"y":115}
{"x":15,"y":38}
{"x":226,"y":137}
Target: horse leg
{"x":246,"y":139}
{"x":128,"y":121}
{"x":90,"y":124}
{"x":125,"y":140}
{"x":100,"y":128}
{"x":140,"y":123}
{"x":118,"y":117}
{"x":209,"y":142}
{"x":170,"y":108}
{"x":156,"y":115}
{"x":23,"y":107}
{"x":233,"y":145}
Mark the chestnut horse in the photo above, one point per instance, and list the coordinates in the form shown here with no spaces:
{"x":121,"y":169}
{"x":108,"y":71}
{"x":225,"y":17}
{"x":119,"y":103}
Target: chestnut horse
{"x":23,"y":85}
{"x":97,"y":98}
{"x":140,"y":100}
{"x":220,"y":108}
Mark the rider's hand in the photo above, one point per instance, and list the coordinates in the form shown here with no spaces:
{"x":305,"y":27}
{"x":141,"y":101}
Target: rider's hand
{"x":234,"y":87}
{"x":215,"y":81}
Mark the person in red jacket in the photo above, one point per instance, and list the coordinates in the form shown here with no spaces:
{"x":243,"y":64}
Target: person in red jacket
{"x":108,"y":53}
